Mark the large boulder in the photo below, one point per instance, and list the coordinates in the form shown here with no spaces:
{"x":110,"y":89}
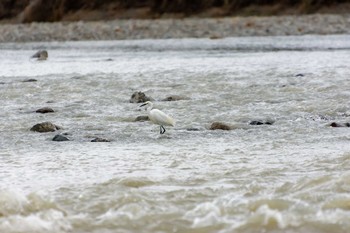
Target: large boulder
{"x":45,"y":127}
{"x":219,"y":125}
{"x":139,"y":97}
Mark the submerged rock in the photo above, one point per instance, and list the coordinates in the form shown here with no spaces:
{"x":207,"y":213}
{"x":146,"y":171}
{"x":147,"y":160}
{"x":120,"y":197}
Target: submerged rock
{"x":142,"y":118}
{"x":44,"y":110}
{"x":175,"y":98}
{"x":261,"y":122}
{"x":45,"y":127}
{"x":335,"y":124}
{"x":60,"y":138}
{"x":100,"y":140}
{"x":41,"y":55}
{"x":219,"y":125}
{"x":31,"y":80}
{"x":139,"y":97}
{"x":193,"y":129}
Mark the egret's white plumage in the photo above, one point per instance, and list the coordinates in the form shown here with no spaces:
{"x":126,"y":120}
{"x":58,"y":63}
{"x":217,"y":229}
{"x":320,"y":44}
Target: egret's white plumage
{"x":158,"y":117}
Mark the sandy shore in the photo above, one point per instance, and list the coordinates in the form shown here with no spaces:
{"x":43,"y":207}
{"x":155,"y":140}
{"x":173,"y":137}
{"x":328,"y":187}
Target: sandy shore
{"x":176,"y":28}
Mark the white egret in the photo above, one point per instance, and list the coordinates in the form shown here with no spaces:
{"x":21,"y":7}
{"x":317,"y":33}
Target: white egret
{"x":158,"y":117}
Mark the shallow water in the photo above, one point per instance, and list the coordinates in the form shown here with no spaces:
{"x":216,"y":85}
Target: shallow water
{"x":292,"y":176}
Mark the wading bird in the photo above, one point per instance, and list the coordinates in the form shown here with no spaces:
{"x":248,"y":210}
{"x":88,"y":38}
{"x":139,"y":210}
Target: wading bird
{"x":158,"y":117}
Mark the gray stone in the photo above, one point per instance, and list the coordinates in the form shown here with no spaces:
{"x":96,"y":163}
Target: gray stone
{"x":335,"y":124}
{"x":142,"y":118}
{"x":261,"y":122}
{"x":219,"y":125}
{"x":31,"y":80}
{"x":45,"y":127}
{"x":175,"y":98}
{"x":60,"y":138}
{"x":100,"y":140}
{"x":44,"y":110}
{"x":139,"y":97}
{"x":41,"y":55}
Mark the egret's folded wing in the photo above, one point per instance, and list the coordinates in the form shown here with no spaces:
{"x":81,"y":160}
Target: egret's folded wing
{"x":159,"y":117}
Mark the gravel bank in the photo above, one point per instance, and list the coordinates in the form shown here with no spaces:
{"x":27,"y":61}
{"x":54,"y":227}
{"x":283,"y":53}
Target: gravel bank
{"x":176,"y":28}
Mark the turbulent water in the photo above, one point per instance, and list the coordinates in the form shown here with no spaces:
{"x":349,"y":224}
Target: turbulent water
{"x":291,"y":176}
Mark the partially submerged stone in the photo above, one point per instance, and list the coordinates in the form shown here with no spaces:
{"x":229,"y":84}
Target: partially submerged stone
{"x":175,"y":98}
{"x":41,"y":55}
{"x":60,"y":138}
{"x":139,"y":97}
{"x":219,"y":125}
{"x":261,"y":122}
{"x":100,"y":140}
{"x":335,"y":124}
{"x":142,"y":118}
{"x":45,"y":127}
{"x":30,"y":80}
{"x":44,"y":110}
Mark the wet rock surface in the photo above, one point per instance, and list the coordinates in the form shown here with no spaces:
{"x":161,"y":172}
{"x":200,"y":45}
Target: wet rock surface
{"x":41,"y":55}
{"x":100,"y":140}
{"x":220,"y":125}
{"x":45,"y":127}
{"x":30,"y":80}
{"x":261,"y":122}
{"x":175,"y":98}
{"x":142,"y":118}
{"x":335,"y":124}
{"x":139,"y":97}
{"x":44,"y":110}
{"x":60,"y":138}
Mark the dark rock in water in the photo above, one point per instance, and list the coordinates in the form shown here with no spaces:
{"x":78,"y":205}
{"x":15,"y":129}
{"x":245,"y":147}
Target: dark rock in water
{"x":44,"y":110}
{"x":41,"y":55}
{"x":139,"y":97}
{"x":261,"y":123}
{"x":192,"y":129}
{"x":299,"y":75}
{"x":100,"y":140}
{"x":142,"y":118}
{"x":2,"y":83}
{"x":219,"y":125}
{"x":335,"y":124}
{"x":45,"y":127}
{"x":60,"y":138}
{"x":175,"y":98}
{"x":29,"y":80}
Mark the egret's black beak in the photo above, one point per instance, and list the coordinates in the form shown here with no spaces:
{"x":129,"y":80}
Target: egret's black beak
{"x":142,"y":105}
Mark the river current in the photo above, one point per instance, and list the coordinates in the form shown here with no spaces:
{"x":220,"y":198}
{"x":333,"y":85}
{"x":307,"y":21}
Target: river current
{"x":290,"y":176}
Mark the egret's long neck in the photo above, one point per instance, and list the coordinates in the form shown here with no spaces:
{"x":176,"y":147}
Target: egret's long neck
{"x":149,"y":107}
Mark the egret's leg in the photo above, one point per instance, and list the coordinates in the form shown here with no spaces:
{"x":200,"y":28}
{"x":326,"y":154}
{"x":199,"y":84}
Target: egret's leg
{"x":162,"y":130}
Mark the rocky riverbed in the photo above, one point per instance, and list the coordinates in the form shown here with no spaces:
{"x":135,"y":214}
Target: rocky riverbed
{"x":177,"y":28}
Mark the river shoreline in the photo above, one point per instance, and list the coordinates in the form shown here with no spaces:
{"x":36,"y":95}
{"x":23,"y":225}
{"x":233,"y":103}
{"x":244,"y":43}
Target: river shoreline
{"x":213,"y":28}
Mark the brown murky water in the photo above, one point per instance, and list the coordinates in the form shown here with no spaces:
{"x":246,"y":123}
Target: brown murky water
{"x":291,"y":176}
